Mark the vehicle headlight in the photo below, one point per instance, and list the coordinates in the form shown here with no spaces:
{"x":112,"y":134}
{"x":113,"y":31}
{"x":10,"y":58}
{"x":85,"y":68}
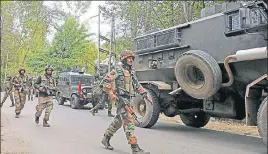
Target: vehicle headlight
{"x":84,"y":91}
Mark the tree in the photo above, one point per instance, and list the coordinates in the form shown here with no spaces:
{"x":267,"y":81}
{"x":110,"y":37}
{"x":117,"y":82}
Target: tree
{"x":70,"y":46}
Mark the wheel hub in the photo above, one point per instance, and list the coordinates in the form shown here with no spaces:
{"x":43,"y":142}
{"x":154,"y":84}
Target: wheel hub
{"x":194,"y":77}
{"x":141,"y":109}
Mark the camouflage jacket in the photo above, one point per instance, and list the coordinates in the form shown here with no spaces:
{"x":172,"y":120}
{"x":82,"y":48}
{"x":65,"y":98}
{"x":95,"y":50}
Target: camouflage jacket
{"x":123,"y":82}
{"x":22,"y":80}
{"x":46,"y":80}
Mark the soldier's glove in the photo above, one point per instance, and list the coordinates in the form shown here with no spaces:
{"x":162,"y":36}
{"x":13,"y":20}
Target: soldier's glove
{"x":145,"y":96}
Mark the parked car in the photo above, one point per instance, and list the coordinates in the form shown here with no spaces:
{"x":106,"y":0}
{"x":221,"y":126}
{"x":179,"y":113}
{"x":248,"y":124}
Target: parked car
{"x":75,"y":87}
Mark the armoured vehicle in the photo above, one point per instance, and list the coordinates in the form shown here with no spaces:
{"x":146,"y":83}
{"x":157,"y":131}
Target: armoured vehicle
{"x":215,"y":66}
{"x":75,"y":87}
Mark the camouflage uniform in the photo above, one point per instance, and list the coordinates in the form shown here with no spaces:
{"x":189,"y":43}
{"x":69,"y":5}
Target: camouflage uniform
{"x":8,"y":91}
{"x":122,"y":81}
{"x":102,"y":99}
{"x":45,"y":100}
{"x":20,"y":82}
{"x":31,"y":89}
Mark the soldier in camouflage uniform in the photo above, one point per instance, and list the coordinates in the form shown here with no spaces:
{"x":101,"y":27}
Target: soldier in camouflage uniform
{"x":102,"y":98}
{"x":31,"y":89}
{"x":45,"y":85}
{"x":8,"y":91}
{"x":122,"y":82}
{"x":20,"y":86}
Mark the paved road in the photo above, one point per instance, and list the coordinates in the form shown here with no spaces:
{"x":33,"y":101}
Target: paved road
{"x":78,"y":132}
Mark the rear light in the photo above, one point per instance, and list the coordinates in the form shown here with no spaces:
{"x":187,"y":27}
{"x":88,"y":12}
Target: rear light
{"x":79,"y":88}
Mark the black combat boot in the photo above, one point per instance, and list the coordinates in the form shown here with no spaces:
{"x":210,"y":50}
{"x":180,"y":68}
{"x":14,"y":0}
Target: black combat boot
{"x":17,"y":115}
{"x":106,"y":142}
{"x":137,"y":150}
{"x":93,"y":111}
{"x":45,"y":124}
{"x":110,"y":114}
{"x":36,"y":120}
{"x":12,"y":104}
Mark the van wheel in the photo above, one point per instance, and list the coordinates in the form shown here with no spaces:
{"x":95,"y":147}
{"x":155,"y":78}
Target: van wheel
{"x":198,"y":74}
{"x":262,"y":121}
{"x":75,"y":102}
{"x":147,"y":113}
{"x":197,"y":119}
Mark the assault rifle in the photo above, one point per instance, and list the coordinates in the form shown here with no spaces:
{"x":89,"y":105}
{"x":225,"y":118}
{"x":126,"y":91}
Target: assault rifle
{"x":128,"y":108}
{"x":50,"y":91}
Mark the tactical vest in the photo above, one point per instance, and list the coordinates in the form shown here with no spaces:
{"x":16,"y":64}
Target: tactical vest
{"x":22,"y":80}
{"x":48,"y":81}
{"x":123,"y":82}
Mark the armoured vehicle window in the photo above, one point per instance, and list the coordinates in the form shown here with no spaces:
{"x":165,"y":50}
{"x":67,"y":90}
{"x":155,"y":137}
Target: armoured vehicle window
{"x":87,"y":81}
{"x":84,"y":80}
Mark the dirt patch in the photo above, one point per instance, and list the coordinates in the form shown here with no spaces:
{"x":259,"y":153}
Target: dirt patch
{"x":11,"y":143}
{"x":231,"y":127}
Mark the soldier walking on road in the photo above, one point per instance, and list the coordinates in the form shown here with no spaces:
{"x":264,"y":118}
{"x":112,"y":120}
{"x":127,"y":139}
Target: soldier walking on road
{"x":46,"y":86}
{"x":122,"y":82}
{"x":102,"y":96}
{"x":31,"y":89}
{"x":8,"y":91}
{"x":20,"y":81}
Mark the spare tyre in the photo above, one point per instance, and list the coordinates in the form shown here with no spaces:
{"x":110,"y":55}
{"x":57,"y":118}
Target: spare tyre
{"x":262,"y":121}
{"x":198,"y":74}
{"x":146,"y":112}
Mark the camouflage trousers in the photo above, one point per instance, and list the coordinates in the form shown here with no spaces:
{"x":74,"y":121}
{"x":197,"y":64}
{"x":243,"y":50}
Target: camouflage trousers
{"x":125,"y":119}
{"x":103,"y":100}
{"x":10,"y":94}
{"x":20,"y":99}
{"x":44,"y":103}
{"x":30,"y":94}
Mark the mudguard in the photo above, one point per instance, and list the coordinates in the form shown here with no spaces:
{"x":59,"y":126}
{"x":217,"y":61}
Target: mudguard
{"x":159,"y":84}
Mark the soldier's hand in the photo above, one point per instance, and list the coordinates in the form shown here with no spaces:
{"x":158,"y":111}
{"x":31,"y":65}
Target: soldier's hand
{"x":144,"y":95}
{"x":41,"y":89}
{"x":113,"y":97}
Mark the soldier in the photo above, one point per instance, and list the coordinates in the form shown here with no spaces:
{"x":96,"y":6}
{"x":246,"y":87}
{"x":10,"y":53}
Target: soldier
{"x":121,"y":82}
{"x":20,"y":87}
{"x":46,"y":86}
{"x":31,"y":89}
{"x":102,"y":96}
{"x":8,"y":91}
{"x":102,"y":101}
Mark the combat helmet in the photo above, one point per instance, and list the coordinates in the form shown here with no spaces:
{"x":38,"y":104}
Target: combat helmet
{"x":48,"y":67}
{"x":22,"y":68}
{"x":125,"y":54}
